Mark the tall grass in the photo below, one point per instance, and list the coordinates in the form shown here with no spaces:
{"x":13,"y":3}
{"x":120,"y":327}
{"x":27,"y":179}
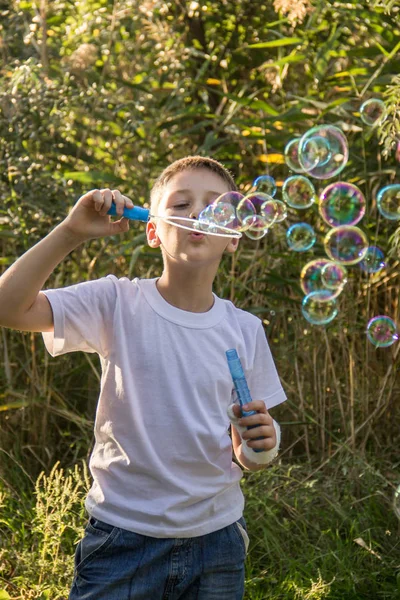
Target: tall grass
{"x":330,"y":535}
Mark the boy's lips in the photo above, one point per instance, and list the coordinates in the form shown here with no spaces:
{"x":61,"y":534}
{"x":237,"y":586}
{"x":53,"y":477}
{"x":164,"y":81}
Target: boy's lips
{"x":196,"y":236}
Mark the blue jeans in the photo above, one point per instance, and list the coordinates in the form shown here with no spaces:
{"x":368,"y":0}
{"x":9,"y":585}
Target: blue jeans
{"x":115,"y":564}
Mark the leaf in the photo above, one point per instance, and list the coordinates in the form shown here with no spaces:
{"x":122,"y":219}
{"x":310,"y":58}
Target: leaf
{"x":4,"y":595}
{"x":286,"y":41}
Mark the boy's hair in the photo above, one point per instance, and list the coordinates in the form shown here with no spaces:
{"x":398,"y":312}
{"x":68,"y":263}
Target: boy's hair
{"x":183,"y":164}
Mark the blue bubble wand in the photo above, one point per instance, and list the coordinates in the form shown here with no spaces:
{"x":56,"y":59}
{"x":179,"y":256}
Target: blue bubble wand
{"x":241,"y":387}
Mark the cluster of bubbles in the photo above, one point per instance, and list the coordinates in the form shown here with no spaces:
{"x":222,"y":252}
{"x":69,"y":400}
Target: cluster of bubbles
{"x":321,"y":153}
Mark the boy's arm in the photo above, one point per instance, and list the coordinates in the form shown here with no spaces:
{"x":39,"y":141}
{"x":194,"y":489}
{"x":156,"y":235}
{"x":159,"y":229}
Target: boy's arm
{"x":22,"y":305}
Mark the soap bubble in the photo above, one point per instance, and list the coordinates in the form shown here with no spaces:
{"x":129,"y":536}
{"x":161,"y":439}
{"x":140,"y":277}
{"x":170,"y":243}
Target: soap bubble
{"x":274,"y":211}
{"x":334,"y":277}
{"x":205,"y":220}
{"x":257,"y":232}
{"x":319,"y":308}
{"x":382,"y":331}
{"x":310,"y":276}
{"x":341,"y":203}
{"x":265,"y":184}
{"x":257,"y":220}
{"x":300,"y":237}
{"x":373,"y":260}
{"x":291,"y":154}
{"x":230,"y":209}
{"x":388,"y":201}
{"x":298,"y":192}
{"x":373,"y":112}
{"x":323,"y":151}
{"x":267,"y":211}
{"x":346,"y":244}
{"x":224,"y":214}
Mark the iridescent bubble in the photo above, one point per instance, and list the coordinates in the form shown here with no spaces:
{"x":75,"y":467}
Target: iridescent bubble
{"x":257,"y":232}
{"x":323,"y":151}
{"x":224,"y":214}
{"x":205,"y":219}
{"x":396,"y":502}
{"x":346,"y":244}
{"x":373,"y":261}
{"x":341,"y":203}
{"x":300,"y":237}
{"x":229,"y":210}
{"x":334,"y":277}
{"x":267,"y":211}
{"x":319,"y":308}
{"x":388,"y":201}
{"x":311,"y":275}
{"x":373,"y":112}
{"x":382,"y":331}
{"x":265,"y":184}
{"x":298,"y":192}
{"x":291,"y":153}
{"x":274,"y":211}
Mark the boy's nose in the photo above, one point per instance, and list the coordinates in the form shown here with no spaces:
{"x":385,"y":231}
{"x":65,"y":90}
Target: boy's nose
{"x":193,"y":215}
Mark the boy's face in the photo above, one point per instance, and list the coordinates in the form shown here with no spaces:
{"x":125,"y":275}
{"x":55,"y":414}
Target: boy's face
{"x":186,"y":195}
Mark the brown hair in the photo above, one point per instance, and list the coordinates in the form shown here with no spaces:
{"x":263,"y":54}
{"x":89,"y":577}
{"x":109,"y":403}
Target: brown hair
{"x":183,"y":164}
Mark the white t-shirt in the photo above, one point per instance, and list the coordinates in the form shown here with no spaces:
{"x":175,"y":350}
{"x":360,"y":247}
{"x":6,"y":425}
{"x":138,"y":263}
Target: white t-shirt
{"x":162,"y":461}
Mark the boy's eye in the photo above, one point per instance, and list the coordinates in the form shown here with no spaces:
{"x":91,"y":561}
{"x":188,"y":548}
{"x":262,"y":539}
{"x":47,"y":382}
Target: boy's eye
{"x":185,"y":205}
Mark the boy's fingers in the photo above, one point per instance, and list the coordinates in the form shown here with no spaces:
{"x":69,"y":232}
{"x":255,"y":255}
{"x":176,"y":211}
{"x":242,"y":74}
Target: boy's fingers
{"x":107,"y":201}
{"x":258,"y":405}
{"x":119,"y":201}
{"x":97,"y":198}
{"x":258,"y":419}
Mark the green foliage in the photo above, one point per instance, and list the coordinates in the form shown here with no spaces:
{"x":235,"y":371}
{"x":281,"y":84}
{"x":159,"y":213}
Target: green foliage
{"x":329,"y":534}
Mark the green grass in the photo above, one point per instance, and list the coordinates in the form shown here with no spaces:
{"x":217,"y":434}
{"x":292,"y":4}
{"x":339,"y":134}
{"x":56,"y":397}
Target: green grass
{"x":331,"y":535}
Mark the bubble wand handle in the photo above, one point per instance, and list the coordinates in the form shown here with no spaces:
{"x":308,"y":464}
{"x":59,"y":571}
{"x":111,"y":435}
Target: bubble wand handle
{"x":137,"y":213}
{"x":241,"y":387}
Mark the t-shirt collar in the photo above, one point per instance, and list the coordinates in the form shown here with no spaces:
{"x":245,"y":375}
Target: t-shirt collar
{"x":177,"y":315}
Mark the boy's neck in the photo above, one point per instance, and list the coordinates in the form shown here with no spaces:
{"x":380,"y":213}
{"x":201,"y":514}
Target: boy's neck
{"x":188,"y":291}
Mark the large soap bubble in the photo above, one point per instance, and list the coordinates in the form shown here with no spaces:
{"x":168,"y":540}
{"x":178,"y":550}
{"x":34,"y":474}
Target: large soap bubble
{"x":346,"y":244}
{"x":323,"y":151}
{"x":291,"y":154}
{"x":300,"y":237}
{"x":265,"y":184}
{"x":373,"y":112}
{"x":373,"y":261}
{"x":311,"y":275}
{"x":319,"y":308}
{"x":334,"y":277}
{"x":231,"y":210}
{"x":341,"y":203}
{"x":382,"y":331}
{"x":261,"y":219}
{"x":298,"y":192}
{"x":388,"y":201}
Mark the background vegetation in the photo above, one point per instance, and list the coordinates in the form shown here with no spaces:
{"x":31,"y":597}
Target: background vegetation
{"x":106,"y":94}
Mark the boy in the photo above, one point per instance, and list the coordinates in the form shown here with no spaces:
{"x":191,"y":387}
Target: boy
{"x":165,"y":507}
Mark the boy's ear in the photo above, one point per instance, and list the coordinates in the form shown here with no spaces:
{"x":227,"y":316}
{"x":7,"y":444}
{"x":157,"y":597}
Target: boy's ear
{"x":152,"y":238}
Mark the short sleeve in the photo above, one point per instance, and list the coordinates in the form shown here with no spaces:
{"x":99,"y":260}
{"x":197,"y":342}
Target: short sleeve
{"x":263,"y":380}
{"x":83,"y":317}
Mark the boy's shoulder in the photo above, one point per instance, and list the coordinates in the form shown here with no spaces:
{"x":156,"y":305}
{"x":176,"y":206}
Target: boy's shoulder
{"x":243,"y":316}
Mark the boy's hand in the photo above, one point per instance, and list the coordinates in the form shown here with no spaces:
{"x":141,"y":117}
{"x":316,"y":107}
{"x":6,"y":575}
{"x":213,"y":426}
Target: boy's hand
{"x":264,"y":426}
{"x":88,"y":219}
